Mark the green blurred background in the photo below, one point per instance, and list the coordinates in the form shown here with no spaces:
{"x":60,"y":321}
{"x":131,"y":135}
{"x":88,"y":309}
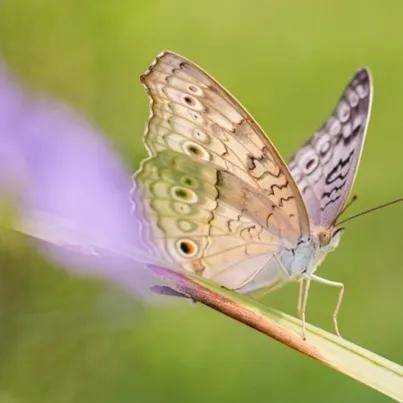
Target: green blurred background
{"x":65,"y":339}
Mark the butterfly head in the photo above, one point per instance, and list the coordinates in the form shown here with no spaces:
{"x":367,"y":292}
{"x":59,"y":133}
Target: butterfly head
{"x":328,"y":238}
{"x":324,"y":240}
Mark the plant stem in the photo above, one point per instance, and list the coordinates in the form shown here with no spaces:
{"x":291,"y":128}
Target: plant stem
{"x":333,"y":351}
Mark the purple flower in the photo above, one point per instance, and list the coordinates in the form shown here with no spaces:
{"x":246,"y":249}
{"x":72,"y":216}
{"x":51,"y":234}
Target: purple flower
{"x":72,"y":191}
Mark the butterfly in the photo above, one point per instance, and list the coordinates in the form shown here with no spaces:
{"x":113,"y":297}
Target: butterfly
{"x":219,"y":199}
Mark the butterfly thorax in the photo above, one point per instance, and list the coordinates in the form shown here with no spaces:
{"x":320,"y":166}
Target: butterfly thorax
{"x":309,"y":253}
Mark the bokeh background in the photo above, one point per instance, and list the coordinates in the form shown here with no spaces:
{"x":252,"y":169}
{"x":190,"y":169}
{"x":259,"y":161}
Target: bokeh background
{"x":66,"y":339}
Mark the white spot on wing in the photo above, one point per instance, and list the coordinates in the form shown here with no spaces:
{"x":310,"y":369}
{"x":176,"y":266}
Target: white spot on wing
{"x":343,"y":111}
{"x":334,"y":126}
{"x":352,"y":98}
{"x":362,"y":91}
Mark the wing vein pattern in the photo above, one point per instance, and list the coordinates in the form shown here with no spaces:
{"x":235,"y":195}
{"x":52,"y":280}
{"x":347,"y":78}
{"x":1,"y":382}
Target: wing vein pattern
{"x":218,"y":195}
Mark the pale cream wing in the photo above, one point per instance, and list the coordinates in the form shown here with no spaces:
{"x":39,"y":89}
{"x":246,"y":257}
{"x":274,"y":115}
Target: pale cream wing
{"x":245,"y":190}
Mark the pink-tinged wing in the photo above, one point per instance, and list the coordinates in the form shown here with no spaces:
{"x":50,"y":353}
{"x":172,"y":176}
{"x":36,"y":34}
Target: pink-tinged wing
{"x":325,"y":167}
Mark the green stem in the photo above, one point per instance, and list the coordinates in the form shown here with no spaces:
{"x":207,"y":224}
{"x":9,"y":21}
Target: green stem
{"x":333,"y":351}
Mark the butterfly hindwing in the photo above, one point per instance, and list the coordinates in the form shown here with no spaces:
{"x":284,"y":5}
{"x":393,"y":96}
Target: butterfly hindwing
{"x":325,"y":166}
{"x":195,"y":224}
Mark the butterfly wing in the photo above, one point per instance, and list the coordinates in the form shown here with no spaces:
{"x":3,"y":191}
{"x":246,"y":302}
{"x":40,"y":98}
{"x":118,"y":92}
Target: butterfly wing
{"x":221,"y":201}
{"x":325,"y":166}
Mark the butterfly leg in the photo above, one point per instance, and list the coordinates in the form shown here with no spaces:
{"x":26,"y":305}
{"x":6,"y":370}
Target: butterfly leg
{"x":299,"y":304}
{"x":340,"y":286}
{"x":302,"y":301}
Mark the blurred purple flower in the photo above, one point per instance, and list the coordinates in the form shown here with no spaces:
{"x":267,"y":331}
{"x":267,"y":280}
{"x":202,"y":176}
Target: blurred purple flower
{"x":72,"y":191}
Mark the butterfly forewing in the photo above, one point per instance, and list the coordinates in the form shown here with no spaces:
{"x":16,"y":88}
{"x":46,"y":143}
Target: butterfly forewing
{"x":218,"y":193}
{"x":325,"y":167}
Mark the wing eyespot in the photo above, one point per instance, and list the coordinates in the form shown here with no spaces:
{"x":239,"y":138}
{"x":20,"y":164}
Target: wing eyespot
{"x":343,"y":111}
{"x":196,"y":150}
{"x":181,"y":208}
{"x":310,"y":163}
{"x":352,"y":98}
{"x":188,"y":100}
{"x":201,"y":136}
{"x":325,"y":147}
{"x":334,"y":126}
{"x":195,"y":90}
{"x":183,"y":194}
{"x":195,"y":116}
{"x":362,"y":91}
{"x":189,"y":181}
{"x":187,"y":247}
{"x":347,"y":130}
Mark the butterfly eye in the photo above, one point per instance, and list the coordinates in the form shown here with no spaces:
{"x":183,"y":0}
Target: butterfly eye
{"x":324,"y":238}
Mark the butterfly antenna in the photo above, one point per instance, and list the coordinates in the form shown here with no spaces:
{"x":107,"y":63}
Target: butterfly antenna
{"x":348,"y":204}
{"x":371,"y":210}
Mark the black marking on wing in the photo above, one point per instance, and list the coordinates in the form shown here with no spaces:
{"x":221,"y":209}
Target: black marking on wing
{"x":251,"y":164}
{"x":265,"y":173}
{"x":268,"y":217}
{"x":279,"y":187}
{"x":333,"y":190}
{"x":284,"y":199}
{"x":353,"y":134}
{"x":331,"y":201}
{"x":340,"y":165}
